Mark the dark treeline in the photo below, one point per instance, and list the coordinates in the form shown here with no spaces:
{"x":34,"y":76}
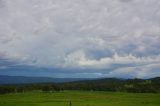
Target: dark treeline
{"x":109,"y":84}
{"x":116,"y":85}
{"x":47,"y":87}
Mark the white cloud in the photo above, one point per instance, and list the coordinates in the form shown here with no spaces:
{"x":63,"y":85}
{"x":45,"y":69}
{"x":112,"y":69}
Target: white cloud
{"x":145,"y":71}
{"x":79,"y":59}
{"x":80,"y":34}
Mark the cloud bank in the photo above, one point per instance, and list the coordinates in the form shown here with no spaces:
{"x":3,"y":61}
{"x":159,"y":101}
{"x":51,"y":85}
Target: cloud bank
{"x":104,"y":38}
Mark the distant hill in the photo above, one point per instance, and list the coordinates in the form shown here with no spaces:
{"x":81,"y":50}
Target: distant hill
{"x":28,"y":80}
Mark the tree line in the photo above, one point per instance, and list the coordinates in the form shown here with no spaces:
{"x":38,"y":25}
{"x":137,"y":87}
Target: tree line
{"x":29,"y":87}
{"x":109,"y":84}
{"x":117,"y":85}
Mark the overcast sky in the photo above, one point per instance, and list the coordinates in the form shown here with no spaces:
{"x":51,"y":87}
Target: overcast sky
{"x":80,"y":38}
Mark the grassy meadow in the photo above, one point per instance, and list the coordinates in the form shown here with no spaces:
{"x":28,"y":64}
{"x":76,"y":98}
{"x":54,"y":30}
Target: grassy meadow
{"x":80,"y":98}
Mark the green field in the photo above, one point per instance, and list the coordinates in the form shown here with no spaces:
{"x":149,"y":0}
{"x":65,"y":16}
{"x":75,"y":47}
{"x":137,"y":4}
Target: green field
{"x":80,"y":98}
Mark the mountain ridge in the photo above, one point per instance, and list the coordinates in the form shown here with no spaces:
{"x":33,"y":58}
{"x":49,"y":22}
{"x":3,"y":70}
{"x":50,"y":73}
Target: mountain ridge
{"x":5,"y":79}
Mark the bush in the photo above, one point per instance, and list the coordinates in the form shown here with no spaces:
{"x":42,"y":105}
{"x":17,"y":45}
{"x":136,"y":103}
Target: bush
{"x":6,"y":89}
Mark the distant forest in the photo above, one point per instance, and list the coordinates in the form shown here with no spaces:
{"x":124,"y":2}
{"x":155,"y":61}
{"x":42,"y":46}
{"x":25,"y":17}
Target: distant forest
{"x":108,"y":84}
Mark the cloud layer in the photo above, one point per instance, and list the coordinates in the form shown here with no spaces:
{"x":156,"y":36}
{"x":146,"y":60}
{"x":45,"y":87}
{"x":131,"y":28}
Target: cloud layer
{"x":104,"y":38}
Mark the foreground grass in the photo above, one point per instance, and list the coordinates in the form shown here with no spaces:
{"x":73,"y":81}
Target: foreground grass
{"x":80,"y":98}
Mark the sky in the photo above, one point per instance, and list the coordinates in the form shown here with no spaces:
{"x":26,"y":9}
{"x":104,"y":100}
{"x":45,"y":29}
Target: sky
{"x":80,"y":38}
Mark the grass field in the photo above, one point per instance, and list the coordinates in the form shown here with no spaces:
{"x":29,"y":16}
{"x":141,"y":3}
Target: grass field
{"x":79,"y":98}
